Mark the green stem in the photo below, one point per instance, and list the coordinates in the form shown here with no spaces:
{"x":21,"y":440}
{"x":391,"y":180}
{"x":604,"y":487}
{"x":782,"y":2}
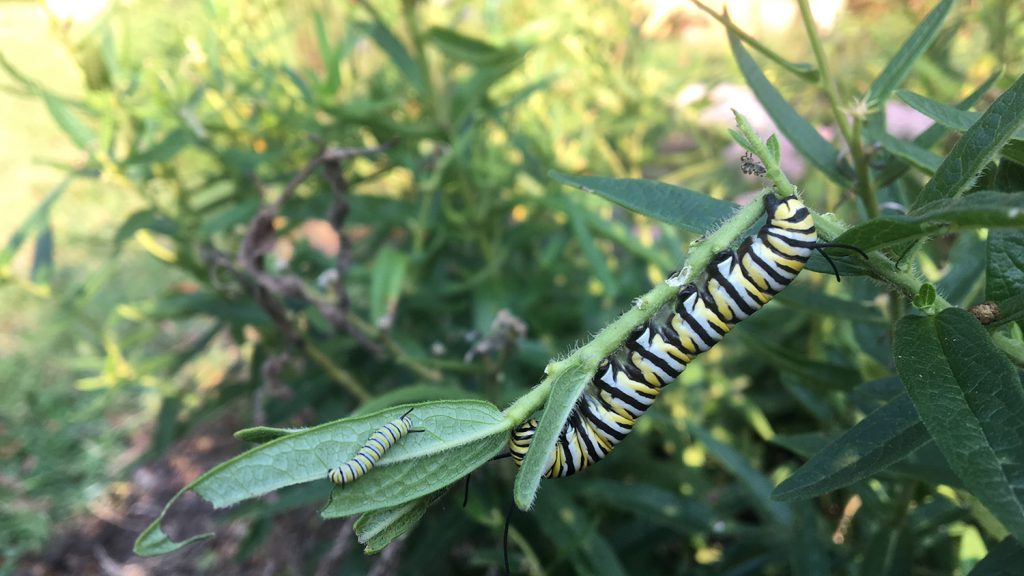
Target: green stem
{"x":611,"y":337}
{"x":827,"y":83}
{"x":401,"y":357}
{"x":865,"y":187}
{"x":830,"y":227}
{"x":850,"y":134}
{"x":804,"y":71}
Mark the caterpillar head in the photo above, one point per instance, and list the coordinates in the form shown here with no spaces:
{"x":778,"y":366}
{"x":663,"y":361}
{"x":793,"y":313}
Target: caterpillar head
{"x":781,"y":208}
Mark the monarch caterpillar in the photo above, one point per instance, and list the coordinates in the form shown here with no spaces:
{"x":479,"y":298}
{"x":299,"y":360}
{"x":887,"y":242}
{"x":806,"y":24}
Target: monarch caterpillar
{"x":735,"y":284}
{"x":376,"y":446}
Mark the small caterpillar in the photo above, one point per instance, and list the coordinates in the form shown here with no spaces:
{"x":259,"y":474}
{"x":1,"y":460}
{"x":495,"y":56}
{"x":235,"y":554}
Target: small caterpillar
{"x":376,"y":446}
{"x":735,"y":284}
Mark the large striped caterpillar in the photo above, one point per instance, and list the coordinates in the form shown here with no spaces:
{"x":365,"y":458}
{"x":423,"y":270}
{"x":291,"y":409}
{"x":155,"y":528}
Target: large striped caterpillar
{"x":376,"y":446}
{"x":735,"y":284}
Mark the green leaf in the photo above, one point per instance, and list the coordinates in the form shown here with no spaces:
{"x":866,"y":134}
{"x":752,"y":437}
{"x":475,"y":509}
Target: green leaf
{"x":774,"y":147}
{"x":755,"y":483}
{"x":800,"y":133}
{"x":572,"y":531}
{"x":465,"y":48}
{"x":882,"y":438}
{"x":823,"y":374}
{"x":1005,"y":559}
{"x":965,"y":269}
{"x":42,"y":260}
{"x":386,"y":282}
{"x":925,"y":297}
{"x":566,"y":386}
{"x":36,"y":222}
{"x":1011,"y":309}
{"x":597,"y":259}
{"x":393,"y":47}
{"x":328,"y":55}
{"x":149,"y":219}
{"x":899,"y":67}
{"x":1004,"y":276}
{"x":460,"y":436}
{"x":263,"y":434}
{"x":951,"y":117}
{"x":376,"y":529}
{"x":970,"y":399}
{"x":687,"y":209}
{"x":71,"y":124}
{"x":977,"y":210}
{"x":808,"y":549}
{"x":802,"y":69}
{"x":936,"y":131}
{"x":976,"y":148}
{"x":649,"y":502}
{"x":800,"y":296}
{"x":162,"y":151}
{"x":911,"y":153}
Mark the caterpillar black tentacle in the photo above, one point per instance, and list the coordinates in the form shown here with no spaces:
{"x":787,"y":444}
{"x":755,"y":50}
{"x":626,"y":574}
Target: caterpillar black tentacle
{"x":376,"y":446}
{"x":735,"y":285}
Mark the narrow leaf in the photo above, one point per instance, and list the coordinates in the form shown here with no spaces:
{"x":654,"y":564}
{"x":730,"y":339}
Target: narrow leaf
{"x":35,"y":222}
{"x":937,"y":131}
{"x":881,"y":439}
{"x":459,"y":437}
{"x":458,"y":46}
{"x":386,"y":282}
{"x":952,"y":117}
{"x":928,"y":162}
{"x":263,"y":434}
{"x":71,"y":124}
{"x":376,"y":529}
{"x":687,"y":209}
{"x":976,"y":148}
{"x":977,"y":210}
{"x":395,"y":50}
{"x":970,"y":399}
{"x":572,"y":531}
{"x":566,"y":387}
{"x":669,"y":509}
{"x":800,"y":133}
{"x":802,"y":69}
{"x":42,"y":260}
{"x":1005,"y":269}
{"x":756,"y":484}
{"x":899,"y":67}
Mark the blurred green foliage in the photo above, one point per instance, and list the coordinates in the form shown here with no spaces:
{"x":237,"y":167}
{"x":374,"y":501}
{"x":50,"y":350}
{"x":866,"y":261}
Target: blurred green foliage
{"x":333,"y":208}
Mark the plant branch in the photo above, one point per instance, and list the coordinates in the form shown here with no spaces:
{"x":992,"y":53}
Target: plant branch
{"x":829,"y":227}
{"x":611,"y":337}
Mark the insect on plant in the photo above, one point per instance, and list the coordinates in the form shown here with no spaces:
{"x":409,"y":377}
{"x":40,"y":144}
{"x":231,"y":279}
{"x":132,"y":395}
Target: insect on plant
{"x":376,"y":446}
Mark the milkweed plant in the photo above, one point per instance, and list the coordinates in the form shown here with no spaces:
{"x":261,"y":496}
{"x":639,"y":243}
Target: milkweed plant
{"x":873,"y":423}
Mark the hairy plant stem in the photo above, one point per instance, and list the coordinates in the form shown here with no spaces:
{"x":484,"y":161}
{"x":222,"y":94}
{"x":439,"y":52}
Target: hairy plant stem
{"x":611,"y":337}
{"x":608,"y":340}
{"x":829,"y":227}
{"x":850,"y":134}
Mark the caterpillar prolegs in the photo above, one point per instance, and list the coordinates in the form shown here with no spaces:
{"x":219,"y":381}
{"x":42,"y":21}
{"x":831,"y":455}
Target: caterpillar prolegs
{"x":735,"y":284}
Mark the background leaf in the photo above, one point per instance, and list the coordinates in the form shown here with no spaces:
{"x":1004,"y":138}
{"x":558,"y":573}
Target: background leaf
{"x":692,"y":211}
{"x":953,"y":373}
{"x":976,"y":148}
{"x":978,"y":210}
{"x":882,"y":438}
